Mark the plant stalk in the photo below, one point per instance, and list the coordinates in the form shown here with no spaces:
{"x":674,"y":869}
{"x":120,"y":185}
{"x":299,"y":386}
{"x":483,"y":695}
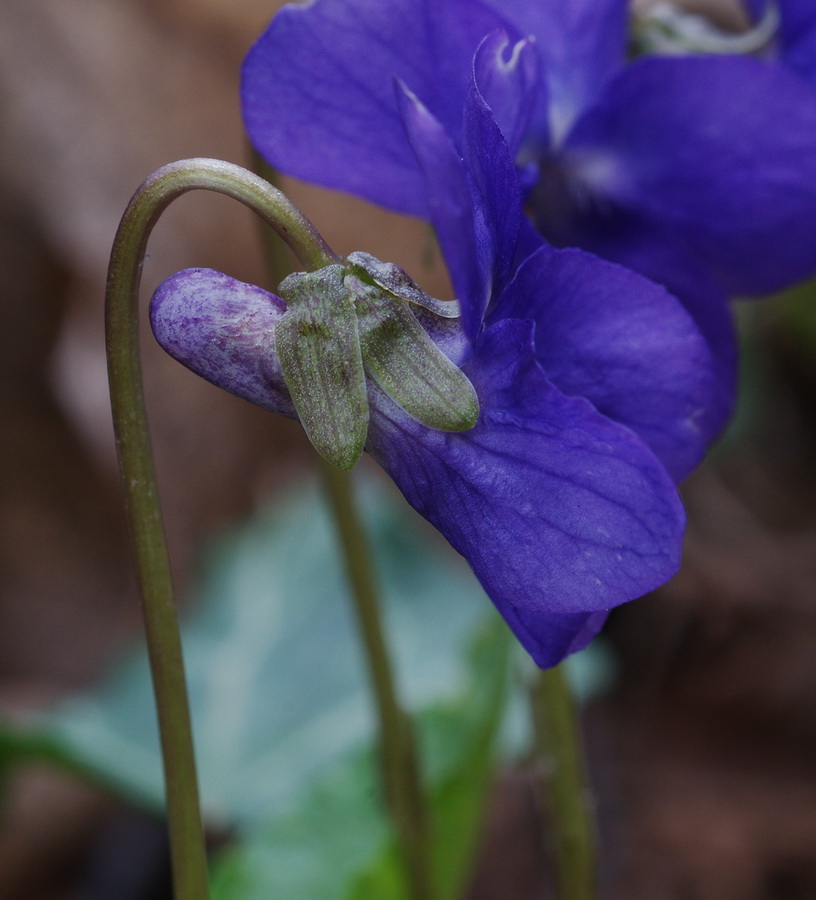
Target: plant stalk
{"x":188,"y":853}
{"x":398,"y":753}
{"x":563,"y":784}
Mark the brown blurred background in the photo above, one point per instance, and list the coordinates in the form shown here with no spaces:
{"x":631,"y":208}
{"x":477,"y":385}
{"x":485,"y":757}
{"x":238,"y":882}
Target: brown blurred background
{"x":702,"y":755}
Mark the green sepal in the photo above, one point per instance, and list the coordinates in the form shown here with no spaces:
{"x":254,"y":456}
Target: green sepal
{"x":407,"y":365}
{"x":399,"y":283}
{"x":319,"y":349}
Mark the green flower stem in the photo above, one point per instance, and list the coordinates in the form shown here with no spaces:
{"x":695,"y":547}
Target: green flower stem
{"x":138,"y":473}
{"x":565,"y":794}
{"x":398,"y":754}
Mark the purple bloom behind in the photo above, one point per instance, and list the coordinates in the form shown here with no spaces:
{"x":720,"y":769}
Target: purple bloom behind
{"x":698,"y":172}
{"x":795,"y":43}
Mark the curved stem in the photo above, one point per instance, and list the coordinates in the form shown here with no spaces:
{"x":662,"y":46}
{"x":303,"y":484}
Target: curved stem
{"x":138,"y":473}
{"x":565,"y":793}
{"x":398,"y":755}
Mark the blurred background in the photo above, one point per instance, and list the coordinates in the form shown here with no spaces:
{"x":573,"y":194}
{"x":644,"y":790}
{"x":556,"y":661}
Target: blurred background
{"x":702,"y":746}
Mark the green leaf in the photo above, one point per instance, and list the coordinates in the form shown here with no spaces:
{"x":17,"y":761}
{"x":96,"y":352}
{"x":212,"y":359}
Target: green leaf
{"x":461,"y":752}
{"x":338,"y":844}
{"x":277,"y":686}
{"x":321,"y":849}
{"x":282,"y":710}
{"x":319,"y":350}
{"x":796,"y":310}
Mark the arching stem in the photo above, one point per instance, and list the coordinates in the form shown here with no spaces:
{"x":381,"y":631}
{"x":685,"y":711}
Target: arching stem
{"x":138,"y":472}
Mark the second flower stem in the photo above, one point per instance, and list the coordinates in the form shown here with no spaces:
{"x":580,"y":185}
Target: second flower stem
{"x":398,"y":753}
{"x":565,"y":793}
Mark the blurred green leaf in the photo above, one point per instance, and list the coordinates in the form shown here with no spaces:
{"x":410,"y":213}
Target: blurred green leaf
{"x":782,"y":324}
{"x":282,"y":712}
{"x":318,"y":850}
{"x":277,"y":685}
{"x":338,"y":844}
{"x":796,"y":308}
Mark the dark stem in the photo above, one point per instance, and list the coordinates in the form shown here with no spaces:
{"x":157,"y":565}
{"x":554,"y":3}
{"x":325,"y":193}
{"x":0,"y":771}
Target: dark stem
{"x":565,"y":793}
{"x":398,"y":754}
{"x":138,"y":472}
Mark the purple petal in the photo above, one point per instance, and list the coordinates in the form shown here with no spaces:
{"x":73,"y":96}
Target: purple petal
{"x":660,"y":253}
{"x":497,"y":203}
{"x":582,"y":43}
{"x":318,"y":96}
{"x":795,"y":42}
{"x":450,"y":191}
{"x":798,"y":36}
{"x":223,"y":330}
{"x":755,"y":8}
{"x":506,"y":73}
{"x":556,"y":508}
{"x":717,"y":153}
{"x":549,"y":637}
{"x":607,"y":334}
{"x":475,"y":202}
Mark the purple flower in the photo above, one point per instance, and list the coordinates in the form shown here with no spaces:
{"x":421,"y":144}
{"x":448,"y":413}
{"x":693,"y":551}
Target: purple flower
{"x":795,"y":42}
{"x":699,"y":172}
{"x":594,"y":387}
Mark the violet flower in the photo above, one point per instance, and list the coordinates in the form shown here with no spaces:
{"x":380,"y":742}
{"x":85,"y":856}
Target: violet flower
{"x":795,"y":41}
{"x":699,"y":172}
{"x":593,"y":387}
